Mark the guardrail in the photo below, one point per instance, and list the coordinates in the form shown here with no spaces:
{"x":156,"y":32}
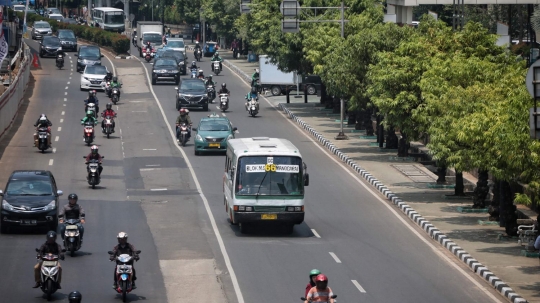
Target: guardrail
{"x":12,"y":98}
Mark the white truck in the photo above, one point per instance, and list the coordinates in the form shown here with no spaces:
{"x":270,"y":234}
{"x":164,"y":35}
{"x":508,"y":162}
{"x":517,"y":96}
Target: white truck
{"x":149,"y":31}
{"x":271,"y":78}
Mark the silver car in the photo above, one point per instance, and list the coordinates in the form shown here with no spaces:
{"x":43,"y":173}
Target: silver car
{"x":40,"y":29}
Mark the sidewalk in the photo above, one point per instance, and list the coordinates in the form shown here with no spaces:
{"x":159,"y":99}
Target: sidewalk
{"x":412,"y":187}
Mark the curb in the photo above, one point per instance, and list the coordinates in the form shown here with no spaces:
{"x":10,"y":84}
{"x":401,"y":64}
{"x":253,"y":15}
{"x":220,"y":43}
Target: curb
{"x":429,"y":228}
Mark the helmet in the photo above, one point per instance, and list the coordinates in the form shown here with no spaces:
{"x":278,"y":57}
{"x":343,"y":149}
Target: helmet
{"x":73,"y":196}
{"x":200,"y":71}
{"x":196,"y":42}
{"x":209,"y":77}
{"x":183,"y":111}
{"x":253,"y":90}
{"x":89,"y":113}
{"x":90,"y":94}
{"x":321,"y":278}
{"x":314,"y":272}
{"x":51,"y":235}
{"x":115,"y":79}
{"x":224,"y":85}
{"x":43,"y":118}
{"x":108,"y":106}
{"x":216,"y":54}
{"x":74,"y":297}
{"x":122,"y":236}
{"x":256,"y":70}
{"x":94,"y":149}
{"x":148,"y":43}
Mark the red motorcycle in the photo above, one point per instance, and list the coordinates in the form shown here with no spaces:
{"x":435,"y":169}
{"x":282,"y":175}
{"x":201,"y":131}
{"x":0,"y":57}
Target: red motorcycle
{"x":108,"y":125}
{"x":148,"y":54}
{"x":88,"y":133}
{"x":124,"y":273}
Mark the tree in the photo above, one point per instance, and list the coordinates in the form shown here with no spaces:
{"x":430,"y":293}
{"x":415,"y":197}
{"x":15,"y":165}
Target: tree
{"x":188,"y":10}
{"x":221,"y":13}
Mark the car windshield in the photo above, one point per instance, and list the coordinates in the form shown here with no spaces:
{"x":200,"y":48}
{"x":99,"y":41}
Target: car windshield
{"x":165,"y":62}
{"x":57,"y":17}
{"x":114,"y":18}
{"x":51,"y":41}
{"x":54,"y":11}
{"x":214,"y":126}
{"x":152,"y":38}
{"x":96,"y":70}
{"x":192,"y":85}
{"x":263,"y":175}
{"x":90,"y":52}
{"x":176,"y":55}
{"x":66,"y":34}
{"x":42,"y":25}
{"x":29,"y":188}
{"x":176,"y":44}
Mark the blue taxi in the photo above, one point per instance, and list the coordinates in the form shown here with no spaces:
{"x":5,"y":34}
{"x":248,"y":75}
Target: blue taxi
{"x":213,"y":133}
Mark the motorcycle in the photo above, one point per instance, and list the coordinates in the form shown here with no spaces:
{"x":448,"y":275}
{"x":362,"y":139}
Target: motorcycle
{"x":72,"y":237}
{"x":216,"y":68}
{"x":193,"y":73}
{"x":115,"y":95}
{"x":43,"y":134}
{"x":49,"y":273}
{"x":93,"y":176}
{"x":198,"y":54}
{"x":108,"y":88}
{"x":148,"y":54}
{"x":108,"y":126}
{"x":333,"y":297}
{"x":91,"y":107}
{"x":88,"y":133}
{"x":108,"y":77}
{"x":124,"y":273}
{"x":224,"y":102}
{"x":184,"y":131}
{"x":134,"y":40}
{"x":211,"y":90}
{"x":60,"y":61}
{"x":253,"y":107}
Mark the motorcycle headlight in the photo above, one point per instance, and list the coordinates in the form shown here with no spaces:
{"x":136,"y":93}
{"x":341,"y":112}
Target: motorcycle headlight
{"x":50,"y":206}
{"x":53,"y":271}
{"x":198,"y":138}
{"x":6,"y":205}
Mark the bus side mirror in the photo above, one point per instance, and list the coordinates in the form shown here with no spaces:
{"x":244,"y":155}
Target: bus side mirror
{"x":306,"y":179}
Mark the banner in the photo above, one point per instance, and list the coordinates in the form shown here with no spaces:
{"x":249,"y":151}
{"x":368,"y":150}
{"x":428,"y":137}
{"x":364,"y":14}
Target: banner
{"x":4,"y":47}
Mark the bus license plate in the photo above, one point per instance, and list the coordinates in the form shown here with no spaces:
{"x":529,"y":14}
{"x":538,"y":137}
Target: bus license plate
{"x":214,"y":145}
{"x":269,"y":216}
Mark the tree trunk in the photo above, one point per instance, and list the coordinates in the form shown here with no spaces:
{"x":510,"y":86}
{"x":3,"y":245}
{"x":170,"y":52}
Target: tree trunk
{"x":441,"y":174}
{"x":324,"y":94}
{"x":380,"y":132}
{"x":368,"y":124}
{"x":359,"y":121}
{"x":403,"y":146}
{"x":494,"y":206}
{"x":505,"y":202}
{"x":391,"y":138}
{"x":336,"y":105}
{"x":482,"y":189}
{"x":459,"y":190}
{"x":351,"y":117}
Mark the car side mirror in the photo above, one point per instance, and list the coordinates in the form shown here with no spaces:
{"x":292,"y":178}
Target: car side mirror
{"x":37,"y":249}
{"x":102,"y":157}
{"x":176,"y":88}
{"x":306,"y":179}
{"x":110,"y":252}
{"x":59,"y":192}
{"x":76,"y":55}
{"x":333,"y":296}
{"x":234,"y":129}
{"x":138,"y":252}
{"x":101,"y":56}
{"x":194,"y":129}
{"x":1,"y":193}
{"x":151,"y":63}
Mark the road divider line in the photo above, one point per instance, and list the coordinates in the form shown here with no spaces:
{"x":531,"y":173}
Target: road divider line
{"x":65,"y":99}
{"x":149,"y":169}
{"x":136,"y":101}
{"x":61,"y":120}
{"x":150,"y":165}
{"x":315,"y":233}
{"x":68,"y":83}
{"x":63,"y":113}
{"x":59,"y":128}
{"x":221,"y":244}
{"x":360,"y":288}
{"x":54,"y":150}
{"x":69,"y":78}
{"x":149,"y":148}
{"x":65,"y":93}
{"x":56,"y":139}
{"x":67,"y":87}
{"x":158,"y":189}
{"x":335,"y":257}
{"x":51,"y":161}
{"x":64,"y":104}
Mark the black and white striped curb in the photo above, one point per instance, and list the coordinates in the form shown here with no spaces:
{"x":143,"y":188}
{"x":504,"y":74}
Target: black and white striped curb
{"x":431,"y":230}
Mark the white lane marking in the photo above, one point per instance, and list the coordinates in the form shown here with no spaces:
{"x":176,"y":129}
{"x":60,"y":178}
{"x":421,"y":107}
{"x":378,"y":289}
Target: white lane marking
{"x":72,"y":69}
{"x":360,"y":288}
{"x":59,"y":128}
{"x":158,"y":189}
{"x":65,"y":99}
{"x":63,"y":113}
{"x":136,"y":101}
{"x":148,"y":169}
{"x":217,"y":107}
{"x":56,"y":138}
{"x":113,"y":67}
{"x":69,"y":78}
{"x":70,"y":74}
{"x":139,"y":111}
{"x":120,"y":132}
{"x":51,"y":162}
{"x":335,"y":257}
{"x":65,"y":93}
{"x":149,"y":149}
{"x":61,"y":120}
{"x":68,"y":83}
{"x":67,"y":87}
{"x":226,"y":258}
{"x":54,"y":150}
{"x":224,"y":115}
{"x":315,"y":233}
{"x":64,"y":104}
{"x":149,"y":165}
{"x":390,"y":207}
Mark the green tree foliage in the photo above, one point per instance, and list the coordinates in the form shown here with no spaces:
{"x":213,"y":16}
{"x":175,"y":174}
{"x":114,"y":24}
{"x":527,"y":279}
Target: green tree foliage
{"x":188,"y":10}
{"x":222,"y":14}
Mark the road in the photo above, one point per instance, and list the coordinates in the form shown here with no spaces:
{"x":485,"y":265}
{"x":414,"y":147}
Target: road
{"x":148,"y":191}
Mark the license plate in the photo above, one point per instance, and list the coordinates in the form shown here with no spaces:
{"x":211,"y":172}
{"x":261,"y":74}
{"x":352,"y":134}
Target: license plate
{"x":49,"y":263}
{"x":96,"y":82}
{"x":29,"y":222}
{"x":269,"y":216}
{"x":214,"y":144}
{"x":72,"y":227}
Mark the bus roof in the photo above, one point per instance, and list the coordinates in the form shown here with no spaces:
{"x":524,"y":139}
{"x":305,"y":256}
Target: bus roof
{"x":108,"y":9}
{"x":263,"y":146}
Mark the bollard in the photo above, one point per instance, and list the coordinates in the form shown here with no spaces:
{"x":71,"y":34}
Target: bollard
{"x":288,"y":96}
{"x":305,"y":93}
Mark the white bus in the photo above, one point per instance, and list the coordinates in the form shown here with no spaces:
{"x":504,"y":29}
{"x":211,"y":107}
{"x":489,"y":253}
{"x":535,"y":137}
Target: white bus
{"x":108,"y":18}
{"x":264,"y":181}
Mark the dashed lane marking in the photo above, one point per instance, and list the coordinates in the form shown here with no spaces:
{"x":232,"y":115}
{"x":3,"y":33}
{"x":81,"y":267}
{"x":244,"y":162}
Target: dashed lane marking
{"x":158,"y":189}
{"x":335,"y":257}
{"x":56,"y":138}
{"x":59,"y":128}
{"x":150,"y":165}
{"x":149,"y":149}
{"x":51,"y":161}
{"x":315,"y":233}
{"x":65,"y":92}
{"x":54,"y":150}
{"x":61,"y":120}
{"x":63,"y":113}
{"x":360,"y":288}
{"x":65,"y":99}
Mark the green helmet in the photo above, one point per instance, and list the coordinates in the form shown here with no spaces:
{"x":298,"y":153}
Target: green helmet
{"x":89,"y":113}
{"x":314,"y":272}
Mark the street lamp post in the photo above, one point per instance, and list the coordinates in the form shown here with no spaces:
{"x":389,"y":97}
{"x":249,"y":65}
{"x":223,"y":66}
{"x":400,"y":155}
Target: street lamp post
{"x":290,"y":10}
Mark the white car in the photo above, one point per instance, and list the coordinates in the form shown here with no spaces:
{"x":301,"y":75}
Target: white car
{"x":93,"y":77}
{"x":176,"y":44}
{"x":57,"y":17}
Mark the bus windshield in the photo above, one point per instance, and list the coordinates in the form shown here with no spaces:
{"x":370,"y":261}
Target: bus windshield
{"x":114,"y":18}
{"x":276,"y":176}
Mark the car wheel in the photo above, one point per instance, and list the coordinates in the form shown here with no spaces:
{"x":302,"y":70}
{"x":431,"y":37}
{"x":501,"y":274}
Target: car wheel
{"x":205,"y":108}
{"x":196,"y":153}
{"x":153,"y":81}
{"x":311,"y":90}
{"x":40,"y":54}
{"x":177,"y":81}
{"x":54,"y":225}
{"x":3,"y":228}
{"x":276,"y":90}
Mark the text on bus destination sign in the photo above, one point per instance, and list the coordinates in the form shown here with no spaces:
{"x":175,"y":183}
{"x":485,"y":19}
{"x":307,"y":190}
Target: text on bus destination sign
{"x":279,"y":168}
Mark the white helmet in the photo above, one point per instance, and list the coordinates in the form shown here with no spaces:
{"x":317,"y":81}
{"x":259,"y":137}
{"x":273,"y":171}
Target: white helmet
{"x":122,"y":235}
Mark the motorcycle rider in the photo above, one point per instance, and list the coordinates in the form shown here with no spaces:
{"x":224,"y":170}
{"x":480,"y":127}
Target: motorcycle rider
{"x":208,"y":81}
{"x":312,"y":275}
{"x":234,"y":48}
{"x":216,"y":57}
{"x":58,"y":53}
{"x":200,"y":75}
{"x":113,"y":84}
{"x":75,"y":297}
{"x":148,"y":46}
{"x":250,"y":95}
{"x":124,"y":247}
{"x":90,"y":117}
{"x":72,"y":210}
{"x":196,"y":48}
{"x":321,"y":292}
{"x":224,"y":90}
{"x":51,"y":247}
{"x":43,"y":121}
{"x":183,"y":118}
{"x":255,"y":77}
{"x":193,"y":66}
{"x":94,"y":155}
{"x":108,"y":112}
{"x":91,"y":99}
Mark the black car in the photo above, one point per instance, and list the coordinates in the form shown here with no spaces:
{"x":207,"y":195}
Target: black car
{"x":88,"y":55}
{"x":192,"y":94}
{"x":49,"y":46}
{"x":30,"y":199}
{"x":165,"y":70}
{"x":179,"y":57}
{"x":67,"y":39}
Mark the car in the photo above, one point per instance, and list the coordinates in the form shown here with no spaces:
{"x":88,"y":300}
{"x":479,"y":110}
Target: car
{"x":88,"y":55}
{"x":165,"y":69}
{"x":31,"y":11}
{"x":312,"y":83}
{"x":49,"y":46}
{"x":41,"y":29}
{"x":57,"y":17}
{"x":93,"y":77}
{"x":159,"y":52}
{"x":191,"y":94}
{"x":52,"y":11}
{"x":177,"y":44}
{"x":19,"y":8}
{"x":30,"y":199}
{"x":69,"y":21}
{"x":209,"y":49}
{"x":213,"y":133}
{"x":67,"y":39}
{"x":178,"y":57}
